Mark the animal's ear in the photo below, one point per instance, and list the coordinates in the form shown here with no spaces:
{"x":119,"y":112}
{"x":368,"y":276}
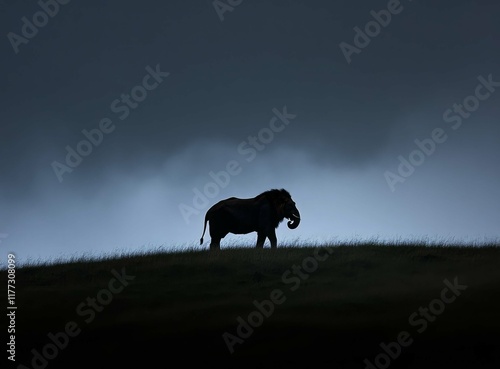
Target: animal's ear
{"x":278,"y":202}
{"x":284,"y":200}
{"x":280,"y":207}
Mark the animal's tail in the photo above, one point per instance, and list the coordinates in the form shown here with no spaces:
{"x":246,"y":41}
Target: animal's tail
{"x":204,"y":228}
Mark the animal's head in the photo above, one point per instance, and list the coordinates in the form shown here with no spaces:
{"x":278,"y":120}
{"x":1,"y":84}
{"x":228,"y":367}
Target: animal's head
{"x":286,"y":208}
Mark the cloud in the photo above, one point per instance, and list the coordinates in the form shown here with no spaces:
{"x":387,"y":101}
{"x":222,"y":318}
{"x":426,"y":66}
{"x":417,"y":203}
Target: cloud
{"x":353,"y":120}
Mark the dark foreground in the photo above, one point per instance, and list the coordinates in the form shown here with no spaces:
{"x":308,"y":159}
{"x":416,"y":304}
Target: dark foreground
{"x":365,"y":306}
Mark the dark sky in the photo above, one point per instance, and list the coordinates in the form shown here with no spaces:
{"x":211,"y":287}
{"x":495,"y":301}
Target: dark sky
{"x":222,"y":81}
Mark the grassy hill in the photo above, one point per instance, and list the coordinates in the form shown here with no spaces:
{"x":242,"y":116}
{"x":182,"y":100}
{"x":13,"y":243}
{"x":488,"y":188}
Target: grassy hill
{"x":335,"y":306}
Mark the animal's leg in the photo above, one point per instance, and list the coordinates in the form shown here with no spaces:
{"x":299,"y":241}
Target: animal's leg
{"x":216,"y":235}
{"x":272,"y":239}
{"x":215,"y":244}
{"x":261,"y":238}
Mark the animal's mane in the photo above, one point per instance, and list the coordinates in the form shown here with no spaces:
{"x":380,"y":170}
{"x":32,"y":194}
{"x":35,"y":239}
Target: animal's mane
{"x":274,"y":193}
{"x":273,"y":196}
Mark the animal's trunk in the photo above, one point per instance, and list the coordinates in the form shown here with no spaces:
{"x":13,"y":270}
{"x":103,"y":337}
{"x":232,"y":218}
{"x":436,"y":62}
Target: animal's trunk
{"x":294,"y":220}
